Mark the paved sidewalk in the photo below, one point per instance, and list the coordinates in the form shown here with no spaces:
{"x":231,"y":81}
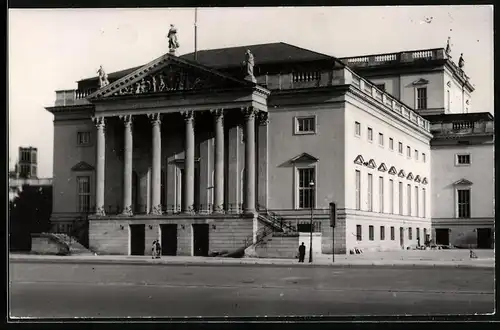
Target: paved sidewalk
{"x":404,"y":258}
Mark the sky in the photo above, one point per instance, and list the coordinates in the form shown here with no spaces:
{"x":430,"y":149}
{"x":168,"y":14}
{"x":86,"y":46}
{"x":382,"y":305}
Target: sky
{"x":51,"y":49}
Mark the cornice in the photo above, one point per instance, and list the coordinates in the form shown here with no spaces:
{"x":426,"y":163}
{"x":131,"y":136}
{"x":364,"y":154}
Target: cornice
{"x":70,"y":108}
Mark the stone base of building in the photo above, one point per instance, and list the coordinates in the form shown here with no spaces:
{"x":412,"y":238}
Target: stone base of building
{"x":182,"y":235}
{"x":464,"y":233}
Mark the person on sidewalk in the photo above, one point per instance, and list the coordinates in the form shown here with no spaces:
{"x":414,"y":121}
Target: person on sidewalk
{"x":302,"y":252}
{"x":158,"y":249}
{"x":153,"y":250}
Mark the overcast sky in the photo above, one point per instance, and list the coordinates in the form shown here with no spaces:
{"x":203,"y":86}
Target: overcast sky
{"x":50,"y":49}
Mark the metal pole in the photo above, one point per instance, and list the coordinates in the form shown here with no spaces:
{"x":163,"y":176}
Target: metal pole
{"x":195,"y":34}
{"x":333,"y":244}
{"x":311,"y":225}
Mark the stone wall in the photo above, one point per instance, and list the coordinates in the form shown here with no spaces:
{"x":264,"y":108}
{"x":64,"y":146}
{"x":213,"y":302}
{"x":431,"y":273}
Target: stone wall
{"x":111,"y":234}
{"x":277,"y":246}
{"x":47,"y":244}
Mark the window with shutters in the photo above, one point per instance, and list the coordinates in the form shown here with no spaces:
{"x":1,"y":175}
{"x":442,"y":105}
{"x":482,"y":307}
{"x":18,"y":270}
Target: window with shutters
{"x":305,"y":189}
{"x":83,"y":183}
{"x":463,"y":204}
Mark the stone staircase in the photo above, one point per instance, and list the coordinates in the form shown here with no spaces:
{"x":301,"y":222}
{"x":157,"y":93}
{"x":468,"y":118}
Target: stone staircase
{"x":74,"y":247}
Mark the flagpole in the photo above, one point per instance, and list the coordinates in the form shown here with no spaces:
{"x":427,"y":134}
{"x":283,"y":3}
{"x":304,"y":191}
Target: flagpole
{"x":195,"y":34}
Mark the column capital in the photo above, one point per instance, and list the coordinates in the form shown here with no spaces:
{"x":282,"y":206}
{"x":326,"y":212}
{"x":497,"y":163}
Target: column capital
{"x":99,"y":121}
{"x":248,"y":112}
{"x":217,"y":113}
{"x":187,"y":115}
{"x":263,"y":118}
{"x":155,"y":118}
{"x":127,"y":119}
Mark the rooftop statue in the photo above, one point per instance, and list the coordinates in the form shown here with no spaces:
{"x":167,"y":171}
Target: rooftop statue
{"x":461,"y":61}
{"x":103,"y":77}
{"x":173,"y":43}
{"x":448,"y":48}
{"x":249,"y":62}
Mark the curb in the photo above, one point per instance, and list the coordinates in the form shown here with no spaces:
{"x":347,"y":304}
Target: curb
{"x":238,"y":263}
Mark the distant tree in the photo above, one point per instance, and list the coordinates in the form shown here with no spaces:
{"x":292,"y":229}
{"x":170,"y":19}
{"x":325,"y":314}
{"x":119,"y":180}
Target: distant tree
{"x":29,"y":213}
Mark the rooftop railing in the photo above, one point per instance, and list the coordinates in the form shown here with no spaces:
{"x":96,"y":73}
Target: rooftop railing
{"x":72,"y":97}
{"x":463,"y":128}
{"x":401,"y":57}
{"x":389,"y":102}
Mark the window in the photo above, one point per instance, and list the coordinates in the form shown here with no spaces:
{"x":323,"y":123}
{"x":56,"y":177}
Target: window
{"x":400,"y":147}
{"x":33,"y":171}
{"x":391,"y":195}
{"x":370,"y":134}
{"x":408,"y":152}
{"x":423,"y":157}
{"x":381,"y":193}
{"x":381,"y":139}
{"x":306,"y":191}
{"x":305,"y":124}
{"x":370,"y":192}
{"x":391,"y":143}
{"x":425,"y":233}
{"x":463,"y":203}
{"x":33,"y":157}
{"x":83,"y":183}
{"x":409,"y":199}
{"x":410,"y":233}
{"x":400,"y":198}
{"x":463,"y":160}
{"x":83,"y":138}
{"x":422,"y":98}
{"x":382,"y":233}
{"x":371,"y":233}
{"x":416,"y":154}
{"x":393,"y":234}
{"x":416,"y":201}
{"x":381,"y":87}
{"x":418,"y":233}
{"x":358,"y":190}
{"x":359,"y":233}
{"x":423,"y":203}
{"x":357,"y":128}
{"x":448,"y":100}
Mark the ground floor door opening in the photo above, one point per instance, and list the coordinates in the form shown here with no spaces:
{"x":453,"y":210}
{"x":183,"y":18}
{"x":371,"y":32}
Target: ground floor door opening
{"x":200,"y":240}
{"x":484,"y":238}
{"x":402,"y":237}
{"x":168,"y":239}
{"x":137,"y":240}
{"x":442,"y":236}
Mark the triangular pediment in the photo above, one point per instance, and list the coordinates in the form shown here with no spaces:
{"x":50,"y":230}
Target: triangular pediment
{"x":359,"y":160}
{"x":82,"y":167}
{"x":166,"y":74}
{"x":402,"y":174}
{"x":382,"y":167}
{"x":304,"y":158}
{"x":424,"y":180}
{"x":410,"y":176}
{"x":463,"y":182}
{"x":420,"y":82}
{"x":417,"y":179}
{"x":371,"y":164}
{"x":393,"y":170}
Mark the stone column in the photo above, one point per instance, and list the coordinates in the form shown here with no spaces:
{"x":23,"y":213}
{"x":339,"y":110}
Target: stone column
{"x":127,"y":169}
{"x":263,"y":159}
{"x":100,"y":164}
{"x":249,"y":198}
{"x":156,"y":164}
{"x":188,"y":198}
{"x":219,"y":161}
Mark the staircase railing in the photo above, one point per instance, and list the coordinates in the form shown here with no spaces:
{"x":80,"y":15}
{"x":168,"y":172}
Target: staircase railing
{"x":276,"y":219}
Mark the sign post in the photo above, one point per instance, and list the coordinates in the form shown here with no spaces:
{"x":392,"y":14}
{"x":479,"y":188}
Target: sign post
{"x":333,"y":221}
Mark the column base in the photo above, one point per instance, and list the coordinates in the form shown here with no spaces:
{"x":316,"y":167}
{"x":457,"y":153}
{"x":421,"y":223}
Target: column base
{"x":219,"y":209}
{"x":100,"y":211}
{"x":157,"y":210}
{"x":127,"y":211}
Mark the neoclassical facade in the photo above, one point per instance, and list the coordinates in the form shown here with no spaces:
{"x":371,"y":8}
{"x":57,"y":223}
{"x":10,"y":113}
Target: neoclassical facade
{"x":199,"y":156}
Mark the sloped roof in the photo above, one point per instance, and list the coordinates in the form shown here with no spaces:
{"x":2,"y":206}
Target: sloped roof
{"x":231,"y":57}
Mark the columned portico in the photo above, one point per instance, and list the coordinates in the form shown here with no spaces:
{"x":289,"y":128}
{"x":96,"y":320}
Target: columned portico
{"x":219,"y":161}
{"x":127,"y":168}
{"x":100,"y":164}
{"x":156,"y":207}
{"x":188,"y":198}
{"x":249,"y":199}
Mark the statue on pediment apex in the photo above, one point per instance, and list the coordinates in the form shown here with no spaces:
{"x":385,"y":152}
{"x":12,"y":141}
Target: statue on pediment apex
{"x":249,"y":62}
{"x":103,"y":77}
{"x":173,"y":43}
{"x":448,"y":48}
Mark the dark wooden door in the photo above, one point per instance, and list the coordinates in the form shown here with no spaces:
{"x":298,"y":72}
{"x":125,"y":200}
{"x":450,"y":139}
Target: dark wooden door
{"x":442,"y":236}
{"x":137,"y":240}
{"x":483,"y":238}
{"x":169,"y":239}
{"x":200,"y":240}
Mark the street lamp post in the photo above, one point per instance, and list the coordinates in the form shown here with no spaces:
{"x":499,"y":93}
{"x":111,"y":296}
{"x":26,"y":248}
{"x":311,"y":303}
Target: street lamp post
{"x":311,"y":184}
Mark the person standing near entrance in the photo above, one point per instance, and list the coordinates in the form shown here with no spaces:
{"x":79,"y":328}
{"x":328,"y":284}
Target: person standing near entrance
{"x":302,"y":252}
{"x":158,"y":249}
{"x":154,"y":252}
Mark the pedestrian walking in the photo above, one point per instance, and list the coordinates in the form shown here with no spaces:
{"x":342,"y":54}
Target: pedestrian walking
{"x":153,"y":250}
{"x":158,"y":249}
{"x":302,"y":252}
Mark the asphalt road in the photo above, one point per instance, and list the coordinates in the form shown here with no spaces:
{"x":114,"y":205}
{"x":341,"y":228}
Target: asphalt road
{"x":70,"y":290}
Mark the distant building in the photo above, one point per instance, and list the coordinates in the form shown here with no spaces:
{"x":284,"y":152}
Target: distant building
{"x":27,"y":163}
{"x":463,"y":180}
